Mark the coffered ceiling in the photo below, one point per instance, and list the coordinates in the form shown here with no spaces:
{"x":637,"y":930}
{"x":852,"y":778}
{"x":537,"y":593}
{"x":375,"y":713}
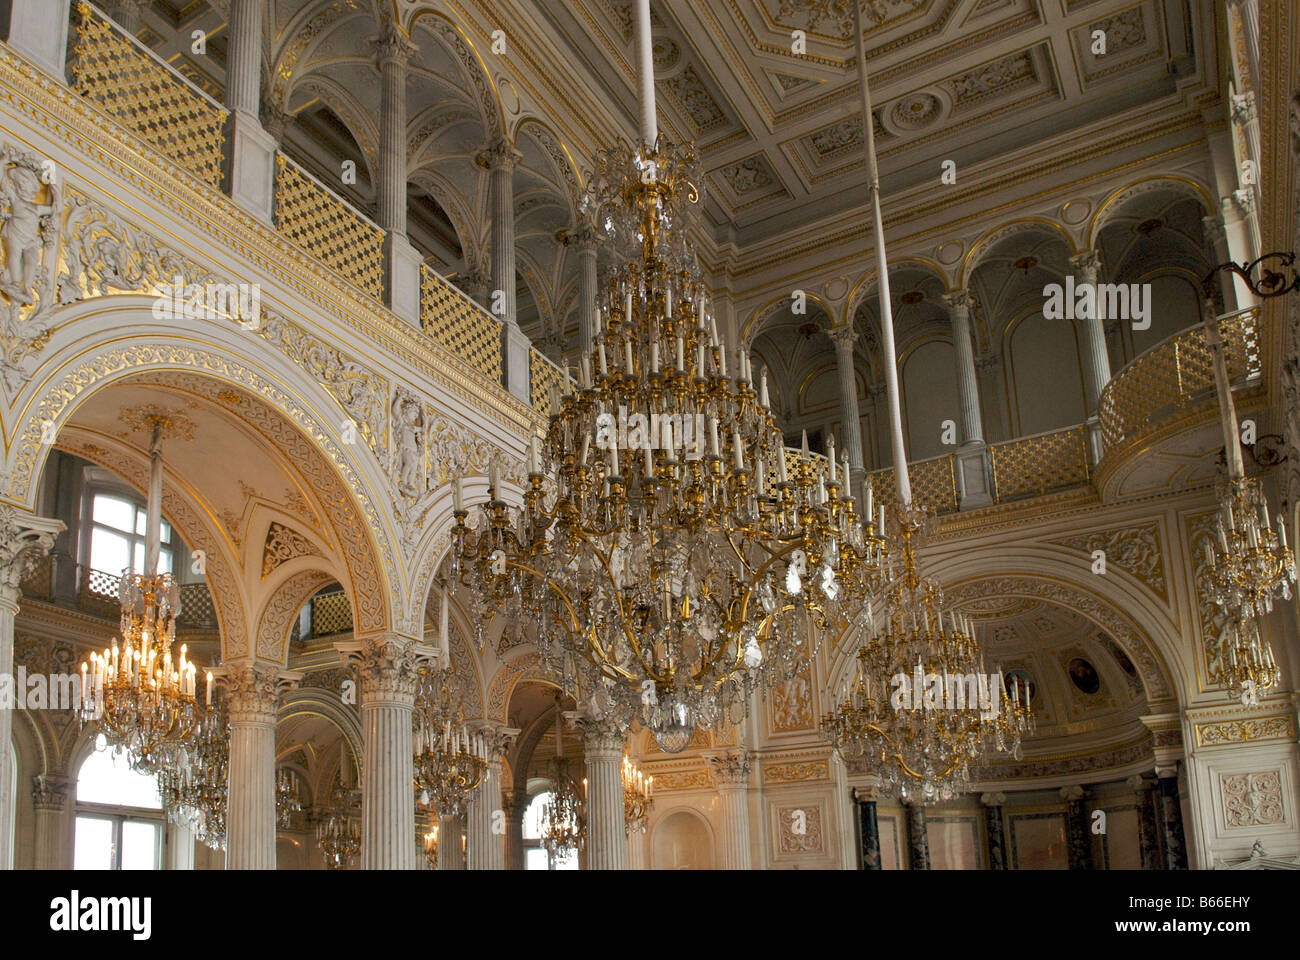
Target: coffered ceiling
{"x":779,"y":128}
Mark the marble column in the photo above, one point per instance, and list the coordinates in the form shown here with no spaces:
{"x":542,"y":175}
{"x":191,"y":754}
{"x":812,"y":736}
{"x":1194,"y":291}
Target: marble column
{"x":850,"y":417}
{"x":500,"y":159}
{"x":1096,"y":359}
{"x":180,"y":847}
{"x":918,"y":843}
{"x":252,"y":689}
{"x":588,"y":289}
{"x":24,"y":538}
{"x":127,"y":13}
{"x":514,"y":804}
{"x":50,"y":802}
{"x":602,"y":742}
{"x":402,"y":279}
{"x":1078,"y":845}
{"x":731,"y":773}
{"x":1170,"y":817}
{"x":1217,"y":238}
{"x":636,"y":844}
{"x":1148,"y":833}
{"x":994,"y":833}
{"x":868,"y":828}
{"x":451,"y":842}
{"x":388,"y":666}
{"x":486,"y":830}
{"x":972,"y":460}
{"x":252,"y":167}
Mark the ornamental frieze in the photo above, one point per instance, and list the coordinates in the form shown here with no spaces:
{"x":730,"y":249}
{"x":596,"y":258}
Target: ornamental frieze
{"x":1281,"y":727}
{"x":1134,"y":550}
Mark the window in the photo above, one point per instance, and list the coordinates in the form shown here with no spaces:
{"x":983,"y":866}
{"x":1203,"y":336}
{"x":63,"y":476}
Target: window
{"x":535,"y":856}
{"x":120,"y":823}
{"x":118,"y":529}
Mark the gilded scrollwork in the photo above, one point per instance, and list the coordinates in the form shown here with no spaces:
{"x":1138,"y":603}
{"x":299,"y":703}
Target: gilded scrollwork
{"x":1134,"y":550}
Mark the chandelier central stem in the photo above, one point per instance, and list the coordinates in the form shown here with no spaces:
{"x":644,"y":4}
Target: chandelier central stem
{"x":153,"y":528}
{"x":902,"y":483}
{"x":646,"y":74}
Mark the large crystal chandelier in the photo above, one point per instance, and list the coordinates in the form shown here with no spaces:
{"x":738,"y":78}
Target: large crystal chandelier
{"x":1248,"y":564}
{"x":141,"y":693}
{"x":665,"y":580}
{"x":338,"y":829}
{"x":638,"y":793}
{"x":450,"y":761}
{"x":564,"y":816}
{"x":288,"y":799}
{"x":922,"y":707}
{"x":195,"y":789}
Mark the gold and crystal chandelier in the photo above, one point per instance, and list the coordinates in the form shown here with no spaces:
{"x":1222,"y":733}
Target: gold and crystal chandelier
{"x":431,"y":846}
{"x":1248,"y":564}
{"x":194,"y":790}
{"x":338,"y":829}
{"x":922,"y":707}
{"x":638,"y":793}
{"x":450,"y":761}
{"x":141,"y":692}
{"x":288,"y":799}
{"x":563,"y":818}
{"x":666,"y":576}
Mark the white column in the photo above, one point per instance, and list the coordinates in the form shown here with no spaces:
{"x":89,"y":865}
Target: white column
{"x":252,"y":174}
{"x":1096,"y":360}
{"x":500,"y":159}
{"x":587,"y":290}
{"x":850,"y":417}
{"x":1249,"y":11}
{"x":388,"y":667}
{"x":403,"y":260}
{"x":180,"y":847}
{"x":50,"y":802}
{"x":636,"y":844}
{"x":127,"y":13}
{"x":646,"y":74}
{"x":451,"y":852}
{"x":731,"y":773}
{"x":251,"y":693}
{"x":1218,"y":240}
{"x":486,"y":826}
{"x":23,"y":539}
{"x":602,"y":743}
{"x":38,"y":29}
{"x":972,"y":426}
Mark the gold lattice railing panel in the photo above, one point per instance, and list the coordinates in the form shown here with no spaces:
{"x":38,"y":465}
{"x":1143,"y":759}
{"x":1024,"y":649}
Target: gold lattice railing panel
{"x":145,"y":95}
{"x":452,"y":319}
{"x":1034,"y":465}
{"x":328,"y":228}
{"x":330,"y":613}
{"x":934,"y":484}
{"x":196,"y":604}
{"x":543,"y":374}
{"x":1173,"y":374}
{"x":792,"y":455}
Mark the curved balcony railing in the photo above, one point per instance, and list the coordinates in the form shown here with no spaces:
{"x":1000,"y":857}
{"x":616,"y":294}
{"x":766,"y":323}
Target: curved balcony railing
{"x":1174,"y":374}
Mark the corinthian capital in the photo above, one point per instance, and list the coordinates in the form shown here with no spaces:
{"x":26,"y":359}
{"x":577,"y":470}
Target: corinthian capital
{"x":388,"y":665}
{"x":1087,"y":262}
{"x":253,"y":689}
{"x":24,"y":538}
{"x":500,"y":154}
{"x":843,"y":337}
{"x":958,"y":302}
{"x":1243,"y":107}
{"x":731,"y":768}
{"x":601,"y":735}
{"x":394,"y":46}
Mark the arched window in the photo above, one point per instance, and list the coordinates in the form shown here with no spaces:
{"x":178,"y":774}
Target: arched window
{"x":120,"y":822}
{"x":535,"y":856}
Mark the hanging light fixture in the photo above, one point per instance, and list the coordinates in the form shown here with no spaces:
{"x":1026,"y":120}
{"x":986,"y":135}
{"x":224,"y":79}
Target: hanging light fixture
{"x":668,"y":578}
{"x":431,"y":846}
{"x":638,"y":791}
{"x":1248,"y":564}
{"x":195,"y":789}
{"x":141,"y":695}
{"x":288,"y":801}
{"x":564,"y":815}
{"x":450,"y":761}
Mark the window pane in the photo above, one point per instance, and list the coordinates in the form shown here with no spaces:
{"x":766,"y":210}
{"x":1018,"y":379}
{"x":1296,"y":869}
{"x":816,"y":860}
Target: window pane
{"x":141,"y":521}
{"x":113,"y":512}
{"x":140,"y":845}
{"x":533,"y":815}
{"x":166,"y":534}
{"x":108,"y":551}
{"x":93,"y":844}
{"x":108,"y":778}
{"x":535,"y":859}
{"x":137,"y":557}
{"x":164,"y":561}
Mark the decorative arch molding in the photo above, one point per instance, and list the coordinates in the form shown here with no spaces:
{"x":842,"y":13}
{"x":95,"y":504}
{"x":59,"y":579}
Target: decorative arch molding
{"x":523,"y":667}
{"x":566,"y":170}
{"x":318,"y":702}
{"x":306,"y":31}
{"x":354,"y":116}
{"x":453,"y":36}
{"x":1114,"y":204}
{"x":759,"y":319}
{"x":667,"y":813}
{"x":448,"y":197}
{"x":980,"y":248}
{"x":276,"y":397}
{"x":866,"y":284}
{"x":281,"y":608}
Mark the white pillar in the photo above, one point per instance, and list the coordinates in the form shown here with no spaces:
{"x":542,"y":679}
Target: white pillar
{"x":587,"y":290}
{"x":602,"y":743}
{"x":451,"y":852}
{"x":38,"y":29}
{"x":850,"y":418}
{"x":972,"y":462}
{"x":180,"y":847}
{"x":252,"y":174}
{"x":1218,"y":240}
{"x":252,"y":690}
{"x":402,"y":281}
{"x":1096,"y":359}
{"x":636,"y":844}
{"x":500,"y":159}
{"x":486,"y":826}
{"x":127,"y":13}
{"x":388,"y":666}
{"x":731,"y":772}
{"x":244,"y":62}
{"x":23,"y":539}
{"x":50,"y":803}
{"x":1249,"y":11}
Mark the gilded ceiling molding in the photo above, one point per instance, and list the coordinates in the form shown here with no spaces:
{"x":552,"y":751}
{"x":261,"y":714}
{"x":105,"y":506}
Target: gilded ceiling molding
{"x":455,"y":40}
{"x":281,"y":609}
{"x":1224,"y":732}
{"x":1109,"y":208}
{"x":1137,"y":550}
{"x":304,"y":33}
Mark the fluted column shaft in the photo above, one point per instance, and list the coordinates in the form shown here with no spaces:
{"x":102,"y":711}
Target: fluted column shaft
{"x":1249,"y":11}
{"x":587,"y":290}
{"x":180,"y":847}
{"x":395,"y":51}
{"x":486,"y":826}
{"x":23,"y":539}
{"x":244,"y":62}
{"x":1096,"y":361}
{"x":251,"y":690}
{"x":514,"y":808}
{"x":606,"y":837}
{"x":731,"y":773}
{"x":972,"y":425}
{"x":388,"y":667}
{"x":50,"y":801}
{"x":451,"y":851}
{"x":850,"y":418}
{"x":500,"y":160}
{"x":636,"y":840}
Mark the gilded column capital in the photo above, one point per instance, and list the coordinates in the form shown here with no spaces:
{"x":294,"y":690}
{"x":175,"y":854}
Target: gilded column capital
{"x":24,"y":539}
{"x":600,"y":736}
{"x":1243,"y":107}
{"x":500,"y":154}
{"x":731,"y":768}
{"x":959,"y":302}
{"x":253,"y":688}
{"x":497,"y":737}
{"x":843,"y":337}
{"x":394,"y":47}
{"x":388,"y":665}
{"x":49,"y":792}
